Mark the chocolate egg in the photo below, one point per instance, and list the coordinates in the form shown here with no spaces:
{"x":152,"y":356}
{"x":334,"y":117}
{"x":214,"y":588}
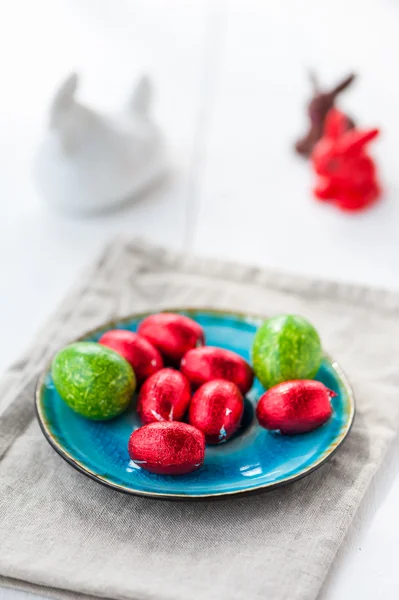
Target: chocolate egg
{"x":216,"y":409}
{"x":173,"y":335}
{"x":164,"y":396}
{"x":167,"y":448}
{"x":295,"y":406}
{"x":205,"y":364}
{"x":286,"y":347}
{"x":139,"y":353}
{"x":93,"y":380}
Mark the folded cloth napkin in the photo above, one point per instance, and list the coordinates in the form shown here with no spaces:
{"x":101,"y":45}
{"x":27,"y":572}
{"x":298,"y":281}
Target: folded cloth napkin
{"x":65,"y":536}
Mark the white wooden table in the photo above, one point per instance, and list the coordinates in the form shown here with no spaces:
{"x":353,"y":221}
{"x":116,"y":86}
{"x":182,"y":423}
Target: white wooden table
{"x":231,"y":81}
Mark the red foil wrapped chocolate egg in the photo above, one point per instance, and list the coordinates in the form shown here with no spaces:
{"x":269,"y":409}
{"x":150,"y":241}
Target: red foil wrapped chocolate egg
{"x":295,"y":406}
{"x":164,"y":396}
{"x":143,"y":357}
{"x":173,"y":335}
{"x":167,"y":448}
{"x":216,"y":409}
{"x":205,"y":364}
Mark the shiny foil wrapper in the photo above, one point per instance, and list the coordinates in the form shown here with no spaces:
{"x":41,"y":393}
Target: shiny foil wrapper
{"x":165,"y":396}
{"x":167,"y":448}
{"x":216,"y":409}
{"x":295,"y":406}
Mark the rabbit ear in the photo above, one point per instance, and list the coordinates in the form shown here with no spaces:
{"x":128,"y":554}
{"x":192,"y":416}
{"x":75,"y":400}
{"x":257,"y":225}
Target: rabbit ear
{"x":336,"y":124}
{"x":64,"y":97}
{"x":343,"y":84}
{"x":140,"y":100}
{"x":353,"y":141}
{"x":314,"y":81}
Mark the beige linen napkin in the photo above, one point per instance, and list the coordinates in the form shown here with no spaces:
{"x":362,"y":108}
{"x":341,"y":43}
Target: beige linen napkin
{"x":64,"y":535}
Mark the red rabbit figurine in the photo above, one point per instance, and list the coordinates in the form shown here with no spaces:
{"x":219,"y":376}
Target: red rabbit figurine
{"x":346,"y":175}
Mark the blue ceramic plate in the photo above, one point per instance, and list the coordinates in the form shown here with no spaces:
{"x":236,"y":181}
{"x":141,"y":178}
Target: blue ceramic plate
{"x":253,"y":460}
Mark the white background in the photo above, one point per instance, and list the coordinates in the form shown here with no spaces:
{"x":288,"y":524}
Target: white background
{"x":231,"y":87}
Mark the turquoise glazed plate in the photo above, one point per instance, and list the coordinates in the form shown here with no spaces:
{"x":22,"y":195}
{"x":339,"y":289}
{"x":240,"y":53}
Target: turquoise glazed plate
{"x":253,"y":460}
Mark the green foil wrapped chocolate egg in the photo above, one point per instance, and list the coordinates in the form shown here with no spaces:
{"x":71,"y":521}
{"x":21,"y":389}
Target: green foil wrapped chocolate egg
{"x":93,"y":380}
{"x":286,"y":347}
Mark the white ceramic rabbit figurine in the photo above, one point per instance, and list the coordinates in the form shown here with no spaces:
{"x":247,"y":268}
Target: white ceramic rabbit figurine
{"x":89,"y":162}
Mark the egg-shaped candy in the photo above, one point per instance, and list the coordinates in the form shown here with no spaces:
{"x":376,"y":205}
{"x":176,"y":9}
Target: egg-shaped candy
{"x":139,"y":353}
{"x":93,"y":380}
{"x":167,"y":448}
{"x":173,"y":335}
{"x":207,"y":363}
{"x":286,"y":347}
{"x":164,"y":396}
{"x":295,"y":406}
{"x":216,"y":409}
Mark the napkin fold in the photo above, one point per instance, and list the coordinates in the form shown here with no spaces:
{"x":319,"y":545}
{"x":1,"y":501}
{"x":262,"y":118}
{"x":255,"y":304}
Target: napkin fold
{"x":65,"y":536}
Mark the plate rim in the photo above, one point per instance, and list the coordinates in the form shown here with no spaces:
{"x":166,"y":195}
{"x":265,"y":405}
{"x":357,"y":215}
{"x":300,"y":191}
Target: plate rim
{"x":71,"y":460}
